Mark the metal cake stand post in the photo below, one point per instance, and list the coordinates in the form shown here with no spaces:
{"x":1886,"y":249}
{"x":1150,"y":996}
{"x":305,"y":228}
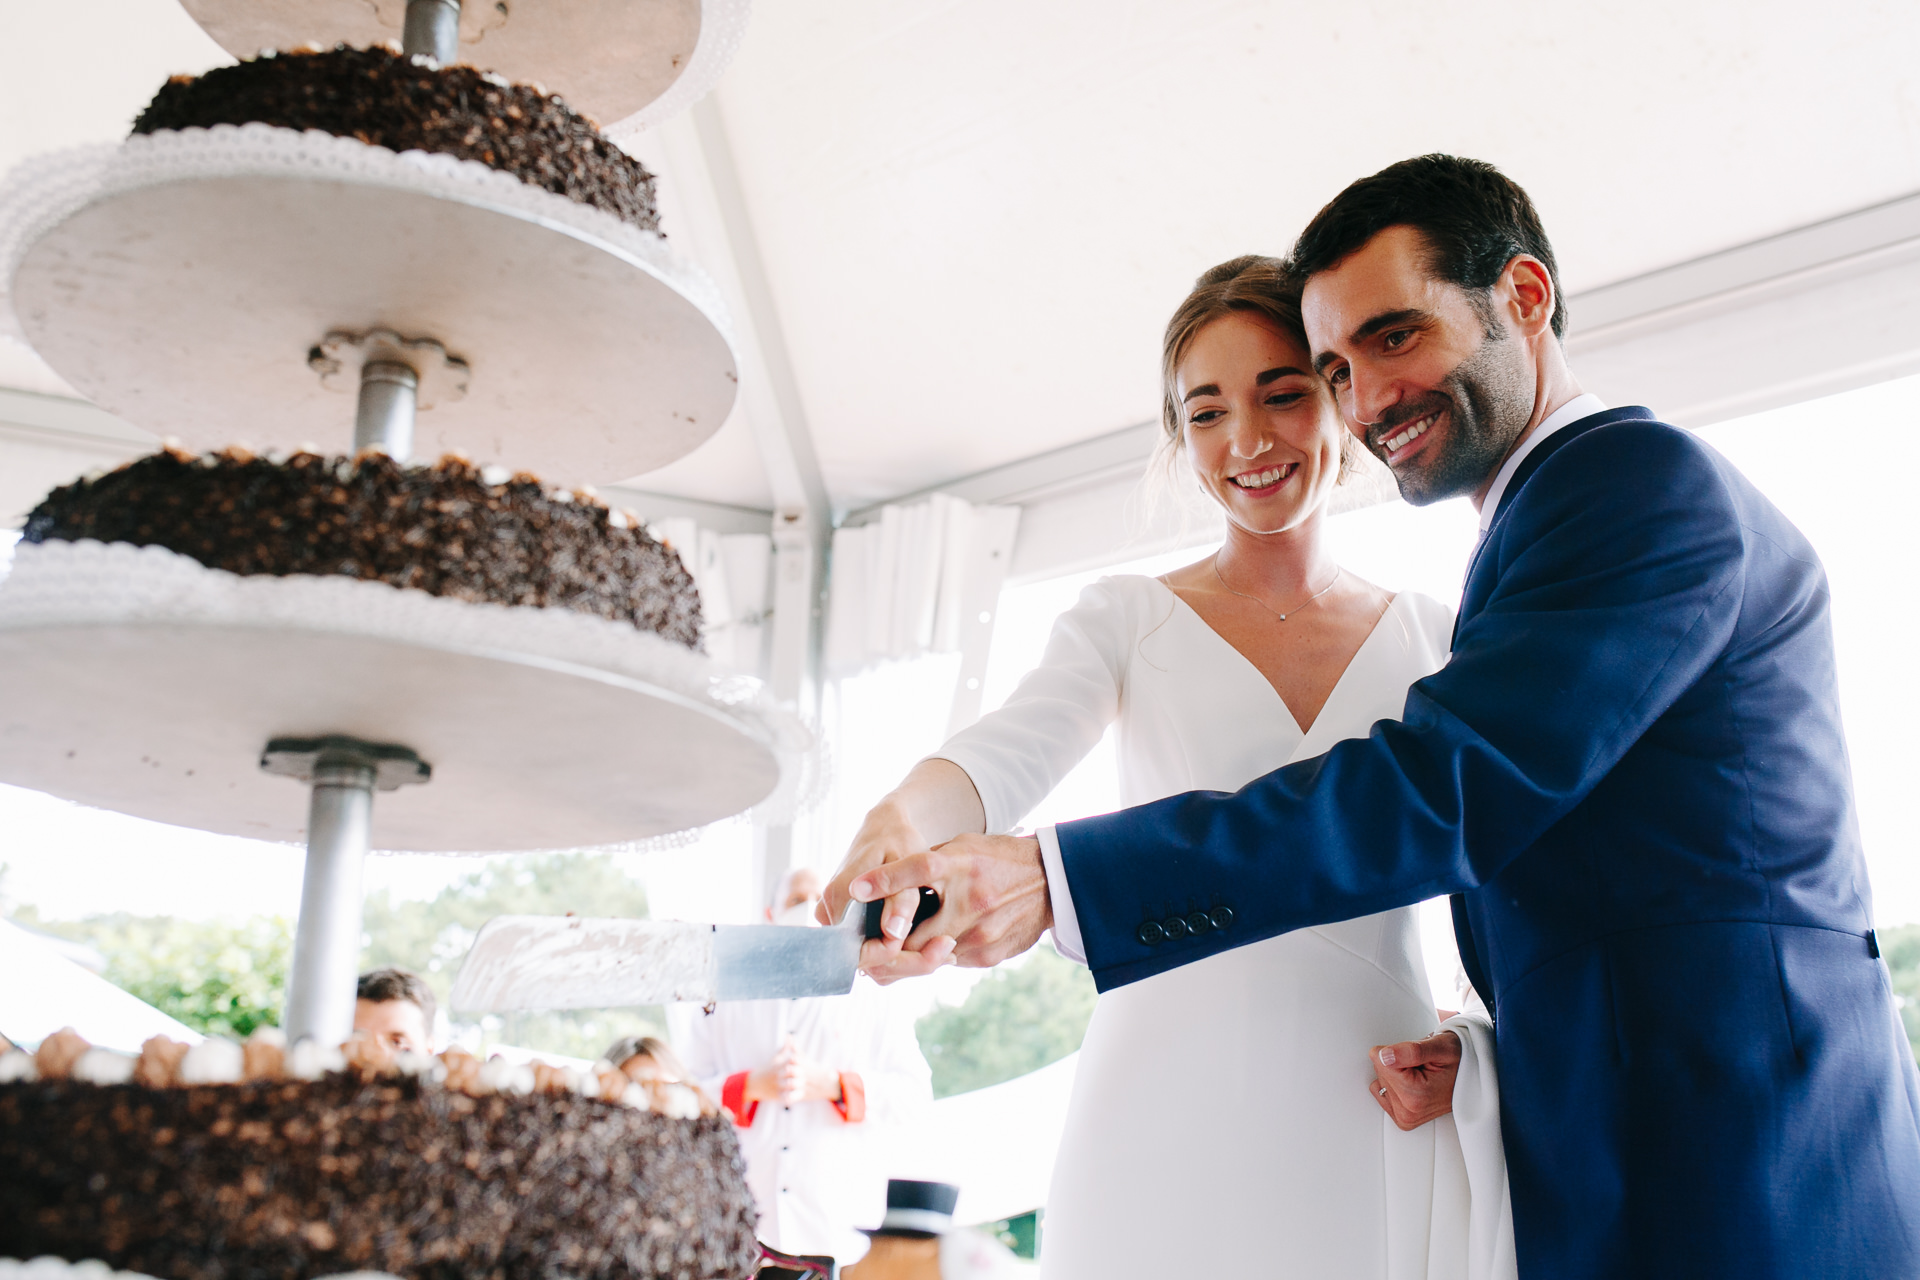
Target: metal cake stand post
{"x":385,"y":417}
{"x":344,"y":773}
{"x":433,"y":28}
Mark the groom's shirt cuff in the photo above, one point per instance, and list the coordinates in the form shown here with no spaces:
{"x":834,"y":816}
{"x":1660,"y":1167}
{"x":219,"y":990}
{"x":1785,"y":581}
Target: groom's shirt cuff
{"x":1066,"y":922}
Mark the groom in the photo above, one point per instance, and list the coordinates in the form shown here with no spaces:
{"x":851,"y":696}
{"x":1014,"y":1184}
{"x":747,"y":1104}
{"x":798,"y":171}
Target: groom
{"x":1630,"y":775}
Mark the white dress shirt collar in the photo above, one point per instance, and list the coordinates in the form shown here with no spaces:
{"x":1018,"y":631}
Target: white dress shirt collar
{"x":1581,"y":406}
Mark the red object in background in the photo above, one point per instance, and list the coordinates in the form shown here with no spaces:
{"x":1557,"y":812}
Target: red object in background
{"x":852,"y":1106}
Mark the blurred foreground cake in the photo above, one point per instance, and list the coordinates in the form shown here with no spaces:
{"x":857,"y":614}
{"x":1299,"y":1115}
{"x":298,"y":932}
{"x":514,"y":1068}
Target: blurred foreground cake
{"x":226,"y":1161}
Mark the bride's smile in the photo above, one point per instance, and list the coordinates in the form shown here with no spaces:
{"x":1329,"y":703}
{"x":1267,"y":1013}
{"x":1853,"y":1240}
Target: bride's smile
{"x":1265,"y":482}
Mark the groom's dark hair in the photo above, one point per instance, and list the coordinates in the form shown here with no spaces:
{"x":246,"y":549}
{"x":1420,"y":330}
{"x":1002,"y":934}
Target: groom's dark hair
{"x":1474,"y":218}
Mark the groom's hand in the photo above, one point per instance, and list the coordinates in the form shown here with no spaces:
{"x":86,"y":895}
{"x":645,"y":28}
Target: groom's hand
{"x":1413,"y":1081}
{"x":993,"y":905}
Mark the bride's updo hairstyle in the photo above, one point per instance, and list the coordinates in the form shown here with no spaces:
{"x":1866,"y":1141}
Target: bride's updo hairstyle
{"x":1253,"y":283}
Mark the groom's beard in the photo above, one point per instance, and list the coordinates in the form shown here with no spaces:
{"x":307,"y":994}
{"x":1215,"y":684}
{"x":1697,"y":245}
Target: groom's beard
{"x":1487,"y":401}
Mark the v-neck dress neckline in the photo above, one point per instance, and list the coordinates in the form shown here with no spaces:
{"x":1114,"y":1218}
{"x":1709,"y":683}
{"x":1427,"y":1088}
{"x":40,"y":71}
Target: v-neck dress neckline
{"x":1361,"y":659}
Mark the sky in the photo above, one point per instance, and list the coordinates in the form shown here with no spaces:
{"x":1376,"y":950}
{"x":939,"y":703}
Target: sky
{"x":1839,"y":467}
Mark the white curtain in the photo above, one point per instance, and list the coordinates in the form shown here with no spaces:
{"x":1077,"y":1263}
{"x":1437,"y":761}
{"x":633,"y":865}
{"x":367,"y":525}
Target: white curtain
{"x":900,"y":585}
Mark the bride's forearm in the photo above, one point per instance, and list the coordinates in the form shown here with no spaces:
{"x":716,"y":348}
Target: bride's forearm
{"x":938,"y":800}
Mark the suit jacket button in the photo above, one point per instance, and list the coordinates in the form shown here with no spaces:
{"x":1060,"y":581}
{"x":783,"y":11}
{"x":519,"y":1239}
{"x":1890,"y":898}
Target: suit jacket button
{"x":1176,"y":928}
{"x":1221,"y":917}
{"x":1198,"y":923}
{"x":1150,"y":934}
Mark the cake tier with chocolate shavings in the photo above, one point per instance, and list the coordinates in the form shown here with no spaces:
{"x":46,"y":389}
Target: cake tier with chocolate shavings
{"x":360,"y":1172}
{"x":451,"y":529}
{"x":389,"y":100}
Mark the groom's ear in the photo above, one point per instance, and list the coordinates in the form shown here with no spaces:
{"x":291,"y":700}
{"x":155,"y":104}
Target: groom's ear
{"x":1524,"y":296}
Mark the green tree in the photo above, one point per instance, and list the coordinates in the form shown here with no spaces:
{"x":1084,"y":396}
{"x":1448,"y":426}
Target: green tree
{"x":228,"y":978}
{"x":223,"y":978}
{"x":1017,"y":1019}
{"x":1901,"y":948}
{"x":431,"y":938}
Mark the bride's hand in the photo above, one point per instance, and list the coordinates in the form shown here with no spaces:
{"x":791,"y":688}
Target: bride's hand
{"x":887,"y":835}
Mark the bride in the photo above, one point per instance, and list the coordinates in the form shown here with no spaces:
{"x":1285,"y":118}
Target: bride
{"x":1222,"y":1120}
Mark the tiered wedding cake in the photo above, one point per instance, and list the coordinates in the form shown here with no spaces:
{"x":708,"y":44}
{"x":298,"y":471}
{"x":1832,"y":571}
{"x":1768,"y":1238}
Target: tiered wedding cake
{"x":512,"y":665}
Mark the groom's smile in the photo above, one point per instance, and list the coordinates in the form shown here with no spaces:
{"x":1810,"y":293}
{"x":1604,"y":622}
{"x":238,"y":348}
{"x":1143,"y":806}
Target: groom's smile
{"x":1394,"y":444}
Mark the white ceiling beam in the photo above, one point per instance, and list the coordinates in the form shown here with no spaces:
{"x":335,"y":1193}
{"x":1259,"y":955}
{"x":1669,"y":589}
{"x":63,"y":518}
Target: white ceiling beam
{"x":1794,"y":317}
{"x":1814,"y":248}
{"x":1873,"y":242}
{"x":1122,"y":452}
{"x":778,"y":418}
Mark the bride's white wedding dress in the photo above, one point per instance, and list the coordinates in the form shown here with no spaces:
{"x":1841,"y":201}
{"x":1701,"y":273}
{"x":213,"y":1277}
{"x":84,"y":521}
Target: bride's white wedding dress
{"x":1221,"y":1121}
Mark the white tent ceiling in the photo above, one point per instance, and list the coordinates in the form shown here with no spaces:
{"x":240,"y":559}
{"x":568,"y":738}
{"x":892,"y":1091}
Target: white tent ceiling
{"x":970,"y":220}
{"x":976,"y":217}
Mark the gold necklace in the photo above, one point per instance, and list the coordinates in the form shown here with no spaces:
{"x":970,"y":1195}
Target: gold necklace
{"x":1337,"y":571}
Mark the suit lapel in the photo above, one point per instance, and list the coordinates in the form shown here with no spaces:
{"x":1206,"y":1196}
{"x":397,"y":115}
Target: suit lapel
{"x":1524,"y":472}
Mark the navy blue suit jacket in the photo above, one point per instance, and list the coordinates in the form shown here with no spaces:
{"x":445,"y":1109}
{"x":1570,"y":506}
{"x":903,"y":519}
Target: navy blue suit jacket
{"x":1632,"y":774}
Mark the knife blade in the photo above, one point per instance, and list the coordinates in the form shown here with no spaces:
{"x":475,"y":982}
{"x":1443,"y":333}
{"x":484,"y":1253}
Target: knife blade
{"x":524,"y":963}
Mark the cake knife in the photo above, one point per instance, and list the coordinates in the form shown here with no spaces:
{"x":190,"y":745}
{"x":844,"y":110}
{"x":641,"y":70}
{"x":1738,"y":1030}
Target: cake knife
{"x":521,"y":963}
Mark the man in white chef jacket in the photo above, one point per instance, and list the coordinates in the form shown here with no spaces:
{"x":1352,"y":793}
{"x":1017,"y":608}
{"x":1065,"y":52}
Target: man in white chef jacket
{"x":817,"y":1089}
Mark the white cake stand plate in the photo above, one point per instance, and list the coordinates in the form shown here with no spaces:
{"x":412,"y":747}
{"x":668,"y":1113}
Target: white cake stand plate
{"x":625,"y":62}
{"x":181,"y":280}
{"x":139,"y":681}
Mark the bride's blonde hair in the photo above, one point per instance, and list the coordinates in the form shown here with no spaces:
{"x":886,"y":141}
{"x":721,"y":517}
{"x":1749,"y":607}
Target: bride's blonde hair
{"x":1252,"y":282}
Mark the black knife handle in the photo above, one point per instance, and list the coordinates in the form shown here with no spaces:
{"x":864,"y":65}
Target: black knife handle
{"x":929,"y":903}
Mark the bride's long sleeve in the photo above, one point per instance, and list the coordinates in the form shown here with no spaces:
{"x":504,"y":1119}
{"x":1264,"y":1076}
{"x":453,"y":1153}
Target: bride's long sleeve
{"x":1057,"y":713}
{"x":1476,"y":1119}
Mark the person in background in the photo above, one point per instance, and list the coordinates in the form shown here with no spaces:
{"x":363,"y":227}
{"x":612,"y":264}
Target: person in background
{"x":814,"y":1086}
{"x":395,"y":1008}
{"x":642,"y":1058}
